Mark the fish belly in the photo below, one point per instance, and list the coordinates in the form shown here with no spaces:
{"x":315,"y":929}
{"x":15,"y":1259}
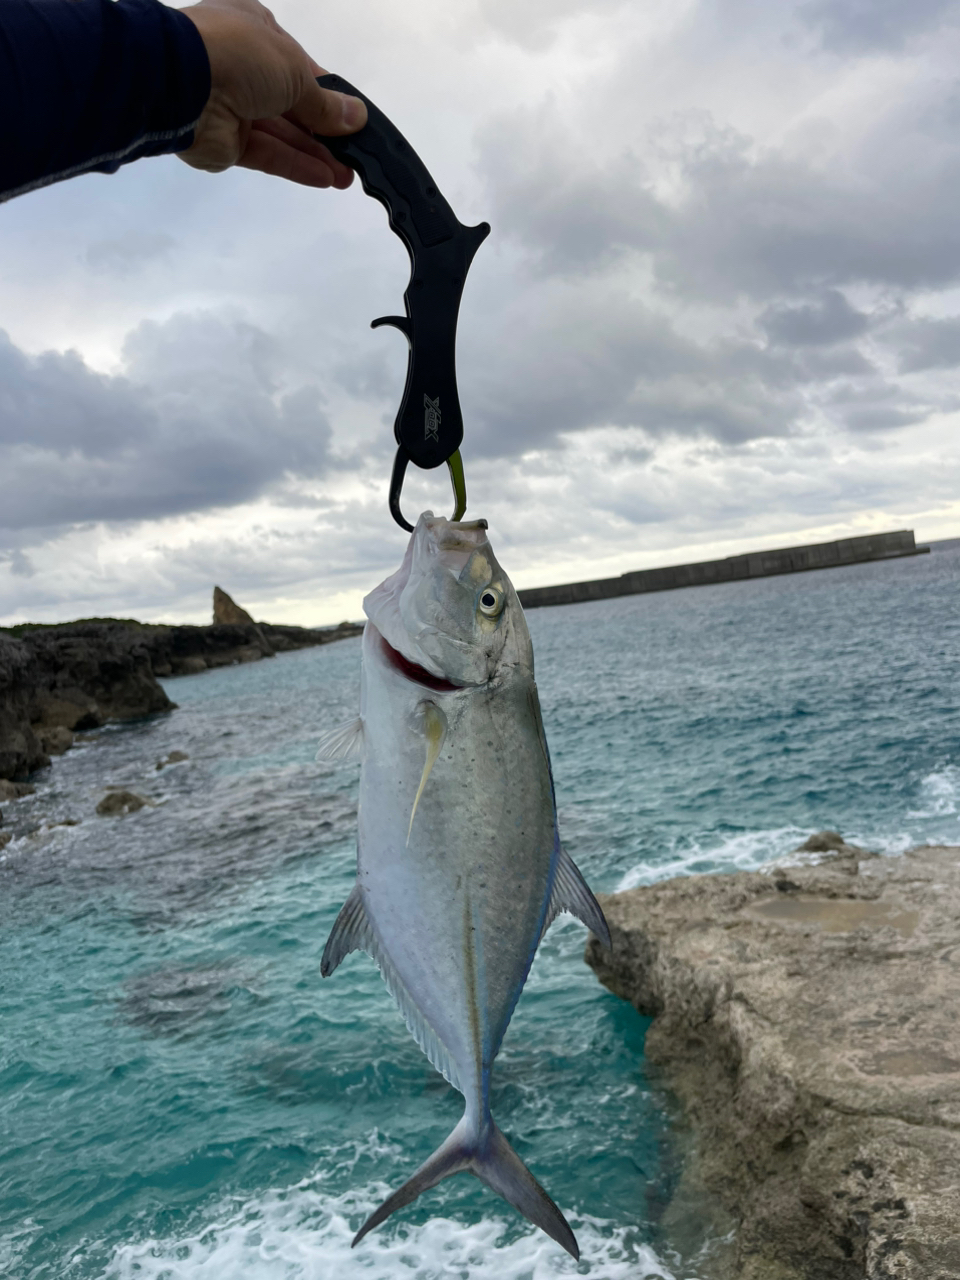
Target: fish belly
{"x":459,"y":907}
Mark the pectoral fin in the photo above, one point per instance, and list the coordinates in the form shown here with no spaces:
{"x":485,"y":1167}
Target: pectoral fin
{"x":345,"y":742}
{"x":434,"y":731}
{"x":571,"y":893}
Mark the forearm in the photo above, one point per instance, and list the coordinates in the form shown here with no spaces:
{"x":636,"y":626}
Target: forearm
{"x":92,"y":84}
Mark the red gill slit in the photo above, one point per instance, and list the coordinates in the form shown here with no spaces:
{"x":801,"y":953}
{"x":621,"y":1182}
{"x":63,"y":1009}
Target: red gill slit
{"x":414,"y":672}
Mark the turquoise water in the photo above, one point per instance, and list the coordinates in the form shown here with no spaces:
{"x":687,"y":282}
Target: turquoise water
{"x":183,"y":1098}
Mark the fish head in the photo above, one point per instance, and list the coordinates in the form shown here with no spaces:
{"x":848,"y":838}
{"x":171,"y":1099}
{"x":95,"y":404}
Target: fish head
{"x":450,"y":608}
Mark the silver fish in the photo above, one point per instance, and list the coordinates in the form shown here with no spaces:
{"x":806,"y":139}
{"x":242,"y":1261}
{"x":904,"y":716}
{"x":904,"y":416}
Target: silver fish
{"x":460,"y":869}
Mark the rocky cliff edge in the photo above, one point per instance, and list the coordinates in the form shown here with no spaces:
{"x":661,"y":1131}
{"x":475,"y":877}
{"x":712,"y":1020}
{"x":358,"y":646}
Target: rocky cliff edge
{"x":807,"y":1021}
{"x":57,"y":680}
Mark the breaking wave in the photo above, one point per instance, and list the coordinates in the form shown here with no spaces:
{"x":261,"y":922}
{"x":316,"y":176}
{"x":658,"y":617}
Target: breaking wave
{"x":304,"y":1233}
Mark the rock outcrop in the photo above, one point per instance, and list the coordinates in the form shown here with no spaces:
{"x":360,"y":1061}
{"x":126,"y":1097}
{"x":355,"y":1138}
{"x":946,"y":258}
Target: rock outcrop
{"x":806,"y":1019}
{"x":119,"y":801}
{"x":225,"y":609}
{"x":66,"y":679}
{"x":55,"y":681}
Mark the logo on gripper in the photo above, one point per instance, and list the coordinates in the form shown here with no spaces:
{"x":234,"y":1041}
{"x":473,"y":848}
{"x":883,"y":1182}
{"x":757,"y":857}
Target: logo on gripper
{"x":431,"y":418}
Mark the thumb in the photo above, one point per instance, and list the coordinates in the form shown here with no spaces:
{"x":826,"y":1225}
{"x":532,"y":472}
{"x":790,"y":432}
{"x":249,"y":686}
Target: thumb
{"x":327,"y":112}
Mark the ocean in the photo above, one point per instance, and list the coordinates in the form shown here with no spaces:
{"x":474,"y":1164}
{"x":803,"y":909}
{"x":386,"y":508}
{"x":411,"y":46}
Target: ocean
{"x":183,"y":1098}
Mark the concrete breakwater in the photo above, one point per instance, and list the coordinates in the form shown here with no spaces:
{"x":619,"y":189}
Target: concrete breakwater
{"x":754,"y":564}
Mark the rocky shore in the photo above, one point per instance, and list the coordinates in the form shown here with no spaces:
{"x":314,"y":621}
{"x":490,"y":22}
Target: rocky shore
{"x":805,"y":1019}
{"x":55,"y":681}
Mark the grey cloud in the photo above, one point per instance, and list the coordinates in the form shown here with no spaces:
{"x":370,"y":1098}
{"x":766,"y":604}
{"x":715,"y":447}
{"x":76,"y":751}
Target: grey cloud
{"x":571,"y":218}
{"x":127,"y":253}
{"x":882,"y":418}
{"x":20,"y":564}
{"x":592,"y":356}
{"x":866,"y":26}
{"x":875,"y":404}
{"x":373,"y":375}
{"x":823,"y":323}
{"x":926,"y":344}
{"x":197,"y":422}
{"x":816,"y":365}
{"x":533,"y":24}
{"x":744,"y":225}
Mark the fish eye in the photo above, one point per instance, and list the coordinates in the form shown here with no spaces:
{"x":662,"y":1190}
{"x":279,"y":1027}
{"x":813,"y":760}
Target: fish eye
{"x":491,"y":601}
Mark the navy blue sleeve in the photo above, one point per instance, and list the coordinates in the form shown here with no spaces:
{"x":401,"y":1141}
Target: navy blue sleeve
{"x":93,"y":84}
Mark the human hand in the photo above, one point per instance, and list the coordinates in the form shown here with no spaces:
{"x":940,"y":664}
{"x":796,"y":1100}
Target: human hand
{"x":265,"y":102}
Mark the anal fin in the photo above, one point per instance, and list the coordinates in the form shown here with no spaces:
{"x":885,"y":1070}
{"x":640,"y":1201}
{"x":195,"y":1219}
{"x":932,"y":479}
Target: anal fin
{"x":571,"y":893}
{"x":352,"y":931}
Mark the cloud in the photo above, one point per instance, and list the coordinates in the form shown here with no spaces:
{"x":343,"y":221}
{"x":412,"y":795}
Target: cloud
{"x":198,"y":420}
{"x":535,"y":24}
{"x":20,"y":565}
{"x":868,"y":26}
{"x":581,"y":356}
{"x":720,"y":215}
{"x":927,"y":344}
{"x":823,"y":323}
{"x":127,"y":253}
{"x":715,"y":310}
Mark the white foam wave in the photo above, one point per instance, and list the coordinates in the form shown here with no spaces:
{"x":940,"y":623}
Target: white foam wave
{"x":304,"y":1233}
{"x":742,"y":851}
{"x":939,"y":794}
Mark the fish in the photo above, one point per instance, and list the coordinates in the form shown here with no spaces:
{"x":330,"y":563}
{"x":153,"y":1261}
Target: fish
{"x":460,"y":869}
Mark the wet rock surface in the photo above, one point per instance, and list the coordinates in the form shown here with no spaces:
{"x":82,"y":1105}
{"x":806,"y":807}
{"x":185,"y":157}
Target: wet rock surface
{"x":120,"y":801}
{"x":806,"y":1021}
{"x":57,"y":681}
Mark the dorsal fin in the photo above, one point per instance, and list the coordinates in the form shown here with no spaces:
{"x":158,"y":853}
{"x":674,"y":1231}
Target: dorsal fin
{"x":571,"y":893}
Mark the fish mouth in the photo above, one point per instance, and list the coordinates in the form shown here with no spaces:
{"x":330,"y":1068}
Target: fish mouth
{"x":412,"y":671}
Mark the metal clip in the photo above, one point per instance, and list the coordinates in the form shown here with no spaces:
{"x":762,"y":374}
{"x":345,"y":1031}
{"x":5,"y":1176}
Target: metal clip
{"x":455,"y":467}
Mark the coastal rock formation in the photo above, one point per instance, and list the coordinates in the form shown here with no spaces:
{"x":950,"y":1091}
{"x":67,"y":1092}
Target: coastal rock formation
{"x":175,"y":757}
{"x":15,"y":790}
{"x":226,"y":609}
{"x":58,"y":680}
{"x":121,"y":802}
{"x":69,"y":678}
{"x":806,"y":1019}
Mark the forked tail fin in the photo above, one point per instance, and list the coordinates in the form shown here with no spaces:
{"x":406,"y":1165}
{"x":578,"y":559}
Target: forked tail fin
{"x":490,"y":1158}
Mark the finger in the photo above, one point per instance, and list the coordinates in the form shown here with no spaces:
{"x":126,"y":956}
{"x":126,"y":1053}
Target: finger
{"x":328,"y":113}
{"x":295,"y":136}
{"x":268,"y":154}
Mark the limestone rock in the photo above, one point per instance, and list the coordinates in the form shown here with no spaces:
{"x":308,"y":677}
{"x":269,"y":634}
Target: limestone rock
{"x":119,"y":801}
{"x":5,"y":838}
{"x":73,"y":677}
{"x":56,"y":740}
{"x":227,"y":610}
{"x":15,"y":790}
{"x":191,"y":665}
{"x":806,"y":1019}
{"x":824,"y":842}
{"x":175,"y":757}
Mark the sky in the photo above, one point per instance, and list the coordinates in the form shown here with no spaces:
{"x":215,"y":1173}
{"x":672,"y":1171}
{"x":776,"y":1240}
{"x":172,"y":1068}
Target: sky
{"x":719,"y":310}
